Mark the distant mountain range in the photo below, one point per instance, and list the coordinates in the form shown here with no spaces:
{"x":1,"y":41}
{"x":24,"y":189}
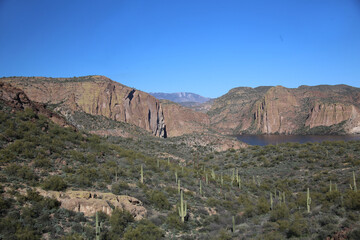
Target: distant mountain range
{"x":181,"y":97}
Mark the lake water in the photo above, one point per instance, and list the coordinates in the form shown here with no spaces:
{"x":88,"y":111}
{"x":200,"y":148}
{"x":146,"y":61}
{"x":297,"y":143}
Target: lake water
{"x":262,"y":140}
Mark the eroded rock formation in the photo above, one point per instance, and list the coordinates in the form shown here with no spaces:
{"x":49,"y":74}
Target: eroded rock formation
{"x":89,"y":202}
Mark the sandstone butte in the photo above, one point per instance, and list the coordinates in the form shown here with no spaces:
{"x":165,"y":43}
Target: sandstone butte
{"x":279,"y":110}
{"x":98,"y":95}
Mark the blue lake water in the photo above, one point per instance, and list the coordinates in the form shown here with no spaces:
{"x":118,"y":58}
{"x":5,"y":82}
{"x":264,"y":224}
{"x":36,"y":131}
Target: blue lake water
{"x":262,"y":140}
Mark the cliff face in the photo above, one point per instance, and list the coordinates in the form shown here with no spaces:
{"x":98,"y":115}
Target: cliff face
{"x":181,"y":120}
{"x":96,"y":95}
{"x":269,"y":110}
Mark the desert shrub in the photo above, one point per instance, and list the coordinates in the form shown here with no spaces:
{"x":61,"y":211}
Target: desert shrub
{"x":280,"y":212}
{"x":74,"y":236}
{"x":352,"y":200}
{"x":297,"y":226}
{"x":42,"y":163}
{"x":24,"y":172}
{"x":263,"y":206}
{"x":223,"y":235}
{"x":119,"y":187}
{"x":119,"y":220}
{"x":26,"y":233}
{"x":173,"y":221}
{"x":159,"y":199}
{"x":54,"y":183}
{"x":145,"y":230}
{"x":354,"y":234}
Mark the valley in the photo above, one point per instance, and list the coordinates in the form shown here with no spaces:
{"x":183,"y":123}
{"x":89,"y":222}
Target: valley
{"x":76,"y":153}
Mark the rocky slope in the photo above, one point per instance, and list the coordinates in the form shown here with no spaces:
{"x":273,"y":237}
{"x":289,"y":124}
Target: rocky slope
{"x":100,"y":96}
{"x":280,"y":110}
{"x":18,"y":100}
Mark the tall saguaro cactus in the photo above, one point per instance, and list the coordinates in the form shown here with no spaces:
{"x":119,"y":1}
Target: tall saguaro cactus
{"x":308,"y":200}
{"x":97,"y":227}
{"x":141,"y":174}
{"x":182,"y":207}
{"x":354,"y":179}
{"x":233,"y":223}
{"x":179,"y":188}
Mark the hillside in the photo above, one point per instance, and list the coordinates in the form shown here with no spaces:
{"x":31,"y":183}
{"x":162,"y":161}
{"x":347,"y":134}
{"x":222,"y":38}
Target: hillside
{"x":54,"y":180}
{"x":278,"y":110}
{"x":100,"y":96}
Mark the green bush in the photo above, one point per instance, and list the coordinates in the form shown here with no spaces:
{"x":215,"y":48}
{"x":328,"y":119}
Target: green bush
{"x":54,"y":183}
{"x":352,"y":200}
{"x":159,"y":200}
{"x":119,"y":220}
{"x":23,"y":172}
{"x":263,"y":206}
{"x":173,"y":221}
{"x":280,"y":212}
{"x":119,"y":187}
{"x":145,"y":230}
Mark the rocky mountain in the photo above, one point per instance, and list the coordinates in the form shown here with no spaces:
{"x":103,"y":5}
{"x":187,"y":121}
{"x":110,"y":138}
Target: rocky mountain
{"x":96,"y":95}
{"x":278,"y":110}
{"x":181,"y":97}
{"x":100,"y":96}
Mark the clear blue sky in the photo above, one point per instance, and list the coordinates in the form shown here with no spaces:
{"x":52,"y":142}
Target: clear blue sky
{"x":206,"y":47}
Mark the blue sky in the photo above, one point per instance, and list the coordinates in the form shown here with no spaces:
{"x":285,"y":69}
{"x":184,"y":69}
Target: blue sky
{"x":206,"y":47}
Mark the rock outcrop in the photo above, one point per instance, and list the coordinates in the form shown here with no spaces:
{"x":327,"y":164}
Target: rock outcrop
{"x":90,"y":202}
{"x":280,"y":110}
{"x":18,"y":100}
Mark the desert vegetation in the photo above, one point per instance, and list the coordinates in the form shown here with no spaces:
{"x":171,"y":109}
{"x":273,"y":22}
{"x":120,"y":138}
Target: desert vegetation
{"x":305,"y":191}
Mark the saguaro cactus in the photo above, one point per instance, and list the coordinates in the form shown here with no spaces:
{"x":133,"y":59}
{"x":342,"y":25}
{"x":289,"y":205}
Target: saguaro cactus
{"x":238,"y":179}
{"x":200,"y":187}
{"x":213,"y":174}
{"x":271,"y":201}
{"x":308,"y":200}
{"x":222,"y":180}
{"x":179,"y":188}
{"x":176,"y":176}
{"x":182,"y":207}
{"x":97,"y":227}
{"x":141,"y":174}
{"x":284,"y":197}
{"x":355,"y":188}
{"x":233,"y":222}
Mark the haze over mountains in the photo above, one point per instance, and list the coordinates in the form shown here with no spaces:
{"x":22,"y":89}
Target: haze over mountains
{"x":180,"y":97}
